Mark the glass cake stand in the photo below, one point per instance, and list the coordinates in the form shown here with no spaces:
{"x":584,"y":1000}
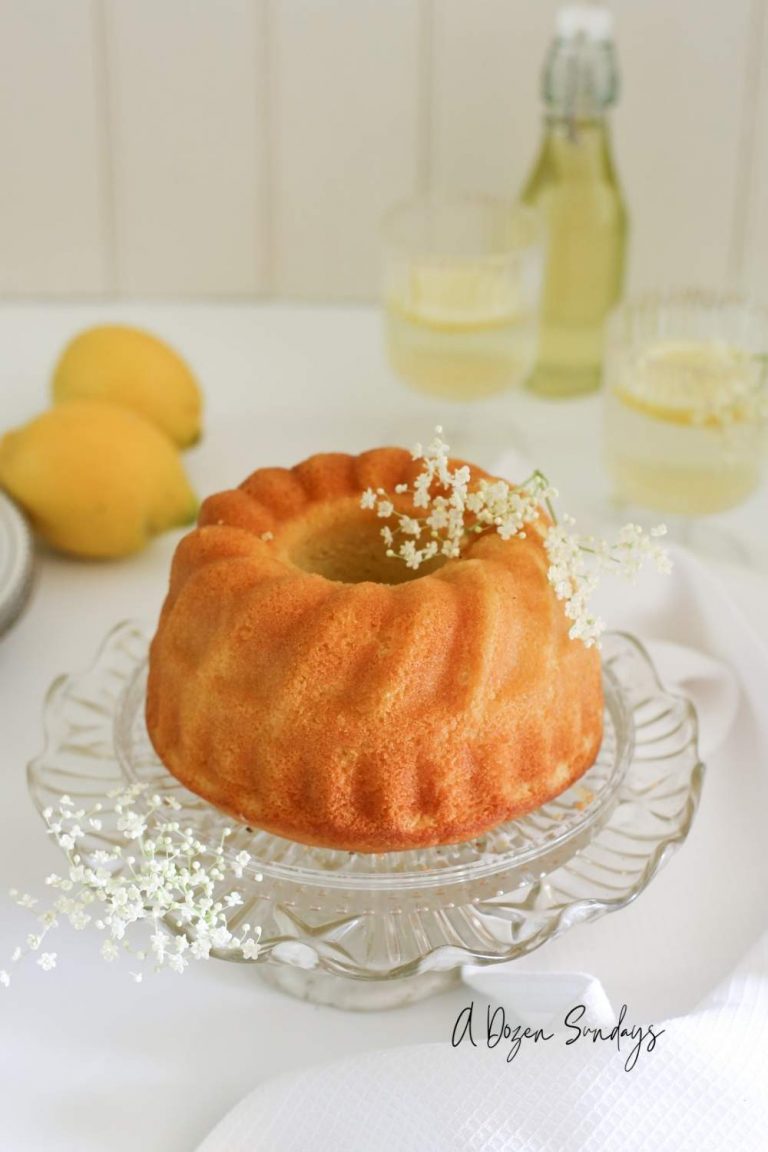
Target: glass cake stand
{"x":361,"y":930}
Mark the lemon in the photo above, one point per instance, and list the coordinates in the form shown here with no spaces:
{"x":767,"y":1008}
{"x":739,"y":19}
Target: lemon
{"x":126,"y":366}
{"x":464,"y":296}
{"x":95,"y":479}
{"x":707,"y":384}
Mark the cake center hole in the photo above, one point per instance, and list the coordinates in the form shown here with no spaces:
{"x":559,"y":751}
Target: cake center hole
{"x":348,"y":547}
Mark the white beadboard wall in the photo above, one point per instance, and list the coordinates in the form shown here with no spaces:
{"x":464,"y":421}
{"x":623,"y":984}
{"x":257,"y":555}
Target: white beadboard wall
{"x":192,"y":148}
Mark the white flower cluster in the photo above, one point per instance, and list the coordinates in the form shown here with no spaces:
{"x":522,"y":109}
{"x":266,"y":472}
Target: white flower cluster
{"x":740,"y":401}
{"x":738,"y":412}
{"x":456,"y":511}
{"x":170,"y":878}
{"x":576,"y":564}
{"x":727,"y":395}
{"x":445,"y":528}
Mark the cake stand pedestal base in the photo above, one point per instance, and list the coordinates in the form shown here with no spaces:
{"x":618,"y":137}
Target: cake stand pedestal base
{"x":356,"y":995}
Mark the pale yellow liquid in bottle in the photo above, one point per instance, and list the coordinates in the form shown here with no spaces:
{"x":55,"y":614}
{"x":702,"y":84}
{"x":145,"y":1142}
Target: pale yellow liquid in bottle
{"x":574,"y":183}
{"x":682,"y":431}
{"x":462,"y":332}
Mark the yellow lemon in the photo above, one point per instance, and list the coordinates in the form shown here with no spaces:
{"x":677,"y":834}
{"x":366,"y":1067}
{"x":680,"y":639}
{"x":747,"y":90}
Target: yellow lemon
{"x":127,"y":366}
{"x":454,"y":298}
{"x":705,"y":384}
{"x":95,"y":479}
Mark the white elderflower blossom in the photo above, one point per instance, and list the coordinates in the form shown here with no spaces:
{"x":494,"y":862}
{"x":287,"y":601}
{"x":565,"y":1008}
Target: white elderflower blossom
{"x":201,"y":948}
{"x":455,"y":510}
{"x":251,"y":948}
{"x":168,"y":879}
{"x":23,"y":899}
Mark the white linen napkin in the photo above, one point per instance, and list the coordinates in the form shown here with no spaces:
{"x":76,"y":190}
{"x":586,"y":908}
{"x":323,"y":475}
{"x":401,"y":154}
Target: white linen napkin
{"x":702,"y":1087}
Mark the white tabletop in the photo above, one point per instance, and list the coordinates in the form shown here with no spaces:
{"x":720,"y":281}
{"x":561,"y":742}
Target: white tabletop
{"x":88,"y":1060}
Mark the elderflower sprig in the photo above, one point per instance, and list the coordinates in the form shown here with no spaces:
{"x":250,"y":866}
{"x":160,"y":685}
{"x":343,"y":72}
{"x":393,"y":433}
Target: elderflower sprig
{"x":163,"y":876}
{"x":456,"y":509}
{"x":577,"y":562}
{"x":445,"y":528}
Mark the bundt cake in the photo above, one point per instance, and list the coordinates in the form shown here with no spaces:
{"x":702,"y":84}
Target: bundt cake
{"x":308,"y":684}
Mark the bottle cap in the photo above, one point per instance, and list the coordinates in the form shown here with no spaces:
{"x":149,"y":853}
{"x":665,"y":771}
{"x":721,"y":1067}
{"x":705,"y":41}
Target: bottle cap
{"x":580,"y":75}
{"x":591,"y":21}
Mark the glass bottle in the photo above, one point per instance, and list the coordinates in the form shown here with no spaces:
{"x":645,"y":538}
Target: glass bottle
{"x":574,"y":184}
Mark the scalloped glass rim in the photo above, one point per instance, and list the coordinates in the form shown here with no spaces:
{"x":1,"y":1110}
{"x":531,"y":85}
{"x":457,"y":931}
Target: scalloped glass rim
{"x":550,"y":830}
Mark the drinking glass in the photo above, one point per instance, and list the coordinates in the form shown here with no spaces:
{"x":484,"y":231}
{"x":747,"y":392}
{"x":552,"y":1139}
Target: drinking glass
{"x":685,"y":403}
{"x":461,"y":292}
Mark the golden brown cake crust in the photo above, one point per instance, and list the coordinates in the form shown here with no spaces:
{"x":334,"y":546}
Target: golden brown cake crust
{"x":363,"y":715}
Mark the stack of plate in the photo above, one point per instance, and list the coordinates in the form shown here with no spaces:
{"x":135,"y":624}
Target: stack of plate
{"x":15,"y":562}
